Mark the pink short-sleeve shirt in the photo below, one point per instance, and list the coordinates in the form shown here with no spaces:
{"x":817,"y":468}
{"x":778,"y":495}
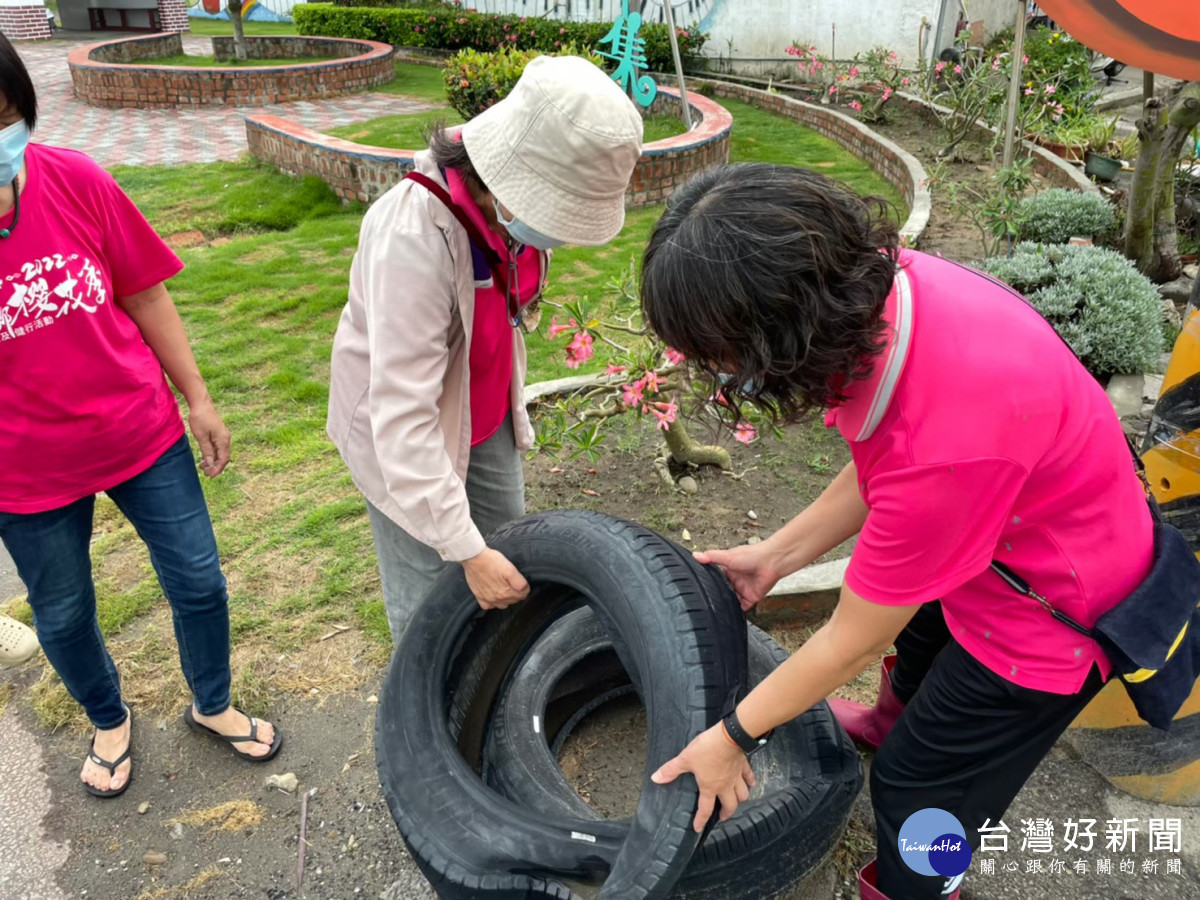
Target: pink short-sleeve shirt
{"x":85,"y":402}
{"x":979,"y":436}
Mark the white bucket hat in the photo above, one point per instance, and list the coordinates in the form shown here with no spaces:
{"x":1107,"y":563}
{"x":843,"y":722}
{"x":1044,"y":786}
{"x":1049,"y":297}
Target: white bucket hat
{"x":559,"y":150}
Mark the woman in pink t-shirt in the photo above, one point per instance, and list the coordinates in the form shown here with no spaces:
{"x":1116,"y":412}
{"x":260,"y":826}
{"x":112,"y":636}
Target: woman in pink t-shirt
{"x":975,"y":435}
{"x":87,"y":329}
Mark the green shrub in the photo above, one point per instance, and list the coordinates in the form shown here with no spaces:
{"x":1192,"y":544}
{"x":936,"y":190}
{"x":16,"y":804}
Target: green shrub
{"x":1105,"y":309}
{"x":475,"y":81}
{"x":390,"y":4}
{"x":446,"y":28}
{"x":1057,"y":215}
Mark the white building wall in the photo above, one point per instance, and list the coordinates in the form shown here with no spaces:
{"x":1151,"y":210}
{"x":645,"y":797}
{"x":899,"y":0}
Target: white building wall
{"x":761,"y":30}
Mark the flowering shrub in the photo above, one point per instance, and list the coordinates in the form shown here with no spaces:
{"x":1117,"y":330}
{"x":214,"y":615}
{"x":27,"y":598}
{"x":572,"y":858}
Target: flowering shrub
{"x":643,"y":377}
{"x":880,"y":69}
{"x":474,"y":81}
{"x":878,"y":73}
{"x":446,"y":27}
{"x":815,"y":69}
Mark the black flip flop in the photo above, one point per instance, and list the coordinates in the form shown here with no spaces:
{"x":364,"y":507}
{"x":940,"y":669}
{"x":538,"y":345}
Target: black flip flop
{"x":190,"y":719}
{"x":112,"y":766}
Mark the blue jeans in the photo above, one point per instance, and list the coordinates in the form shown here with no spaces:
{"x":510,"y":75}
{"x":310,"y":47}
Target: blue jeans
{"x":51,"y":551}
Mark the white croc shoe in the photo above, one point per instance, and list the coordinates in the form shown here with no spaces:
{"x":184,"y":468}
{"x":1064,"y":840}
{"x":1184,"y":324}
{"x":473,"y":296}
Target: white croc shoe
{"x":17,"y":642}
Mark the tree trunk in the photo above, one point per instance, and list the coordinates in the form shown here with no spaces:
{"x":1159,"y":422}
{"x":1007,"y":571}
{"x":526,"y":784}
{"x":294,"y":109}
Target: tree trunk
{"x":1151,"y":238}
{"x":685,"y":451}
{"x":234,"y":8}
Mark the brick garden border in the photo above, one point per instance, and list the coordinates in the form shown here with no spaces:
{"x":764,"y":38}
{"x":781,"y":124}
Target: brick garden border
{"x":359,"y":172}
{"x":103,"y":75}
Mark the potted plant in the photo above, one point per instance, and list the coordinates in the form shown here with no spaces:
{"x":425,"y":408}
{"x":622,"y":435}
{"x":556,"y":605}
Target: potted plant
{"x":1066,"y":139}
{"x":1103,"y":158}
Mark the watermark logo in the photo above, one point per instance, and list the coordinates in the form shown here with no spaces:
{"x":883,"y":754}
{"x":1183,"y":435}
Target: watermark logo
{"x":933,"y":842}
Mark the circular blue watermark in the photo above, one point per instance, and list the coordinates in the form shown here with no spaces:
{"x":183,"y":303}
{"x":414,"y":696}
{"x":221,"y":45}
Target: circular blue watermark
{"x":933,"y":842}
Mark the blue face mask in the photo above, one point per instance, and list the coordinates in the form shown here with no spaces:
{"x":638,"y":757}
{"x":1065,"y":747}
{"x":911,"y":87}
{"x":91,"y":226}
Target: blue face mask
{"x":13,"y":141}
{"x":523,"y":234}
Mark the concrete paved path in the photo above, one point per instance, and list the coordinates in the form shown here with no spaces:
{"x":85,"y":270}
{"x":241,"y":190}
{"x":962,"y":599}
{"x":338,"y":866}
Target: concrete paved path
{"x":153,"y":137}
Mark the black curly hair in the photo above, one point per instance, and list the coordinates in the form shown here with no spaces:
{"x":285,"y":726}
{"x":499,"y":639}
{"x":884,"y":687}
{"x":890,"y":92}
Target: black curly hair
{"x":772,"y":279}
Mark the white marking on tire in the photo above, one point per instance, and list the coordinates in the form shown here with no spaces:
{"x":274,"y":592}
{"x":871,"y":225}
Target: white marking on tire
{"x":580,"y":836}
{"x":537,"y":725}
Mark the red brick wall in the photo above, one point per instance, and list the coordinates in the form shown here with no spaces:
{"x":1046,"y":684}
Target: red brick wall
{"x":103,"y":77}
{"x":357,"y":172}
{"x":172,"y":15}
{"x":285,"y":47}
{"x":24,"y":23}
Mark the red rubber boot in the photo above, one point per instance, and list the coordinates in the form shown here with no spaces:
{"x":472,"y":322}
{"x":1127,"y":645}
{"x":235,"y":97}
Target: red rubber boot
{"x":868,"y":891}
{"x":870,"y":725}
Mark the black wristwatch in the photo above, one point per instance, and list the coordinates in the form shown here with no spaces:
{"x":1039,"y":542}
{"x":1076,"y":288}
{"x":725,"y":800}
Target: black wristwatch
{"x":740,"y":737}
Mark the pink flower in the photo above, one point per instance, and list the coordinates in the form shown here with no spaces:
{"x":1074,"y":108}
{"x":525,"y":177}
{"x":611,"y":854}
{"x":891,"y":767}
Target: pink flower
{"x":665,"y":413}
{"x":674,"y":357}
{"x":580,"y":350}
{"x":651,"y":380}
{"x":958,"y":70}
{"x":996,"y":64}
{"x":744,"y":433}
{"x":614,"y":369}
{"x":887,"y":92}
{"x":562,"y":31}
{"x":855,"y":105}
{"x":892,"y":56}
{"x":904,"y":81}
{"x":854,"y":71}
{"x":1024,"y":60}
{"x":1028,"y":91}
{"x":556,"y":329}
{"x":939,"y":68}
{"x":1050,"y":89}
{"x":818,"y":65}
{"x":632,"y":393}
{"x":832,"y":89}
{"x":462,"y":21}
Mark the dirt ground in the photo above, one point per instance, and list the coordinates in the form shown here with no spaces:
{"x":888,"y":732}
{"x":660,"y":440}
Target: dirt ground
{"x":920,"y":135}
{"x":772,"y":478}
{"x":237,"y":838}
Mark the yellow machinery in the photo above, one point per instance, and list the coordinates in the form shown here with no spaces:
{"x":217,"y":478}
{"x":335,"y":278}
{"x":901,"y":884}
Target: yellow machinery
{"x":1158,"y":765}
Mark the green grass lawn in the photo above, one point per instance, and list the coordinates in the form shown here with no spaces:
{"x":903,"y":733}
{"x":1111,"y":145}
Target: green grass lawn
{"x":256,"y":29}
{"x":184,"y":59}
{"x":413,"y":80}
{"x":261,"y":298}
{"x":407,"y":131}
{"x":403,"y":132}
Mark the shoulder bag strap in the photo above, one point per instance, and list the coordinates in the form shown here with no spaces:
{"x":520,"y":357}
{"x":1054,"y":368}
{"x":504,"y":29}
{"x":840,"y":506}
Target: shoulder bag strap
{"x":495,"y":264}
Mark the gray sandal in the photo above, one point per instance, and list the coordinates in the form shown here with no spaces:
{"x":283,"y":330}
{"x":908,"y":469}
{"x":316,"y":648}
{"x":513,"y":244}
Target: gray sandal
{"x":112,"y":766}
{"x":190,"y":719}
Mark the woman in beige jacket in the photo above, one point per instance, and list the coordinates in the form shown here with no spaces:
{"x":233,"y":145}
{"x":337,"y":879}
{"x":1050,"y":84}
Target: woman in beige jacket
{"x":428,"y":367}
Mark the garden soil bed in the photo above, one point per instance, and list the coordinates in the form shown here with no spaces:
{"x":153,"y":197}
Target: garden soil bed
{"x":919,"y":134}
{"x":775,"y":479}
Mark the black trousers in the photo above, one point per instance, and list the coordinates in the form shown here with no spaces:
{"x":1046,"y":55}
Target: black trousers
{"x":967,"y":742}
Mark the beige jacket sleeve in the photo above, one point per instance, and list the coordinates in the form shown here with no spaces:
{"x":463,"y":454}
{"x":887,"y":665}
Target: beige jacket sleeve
{"x":409,"y":299}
